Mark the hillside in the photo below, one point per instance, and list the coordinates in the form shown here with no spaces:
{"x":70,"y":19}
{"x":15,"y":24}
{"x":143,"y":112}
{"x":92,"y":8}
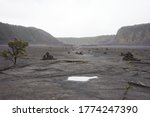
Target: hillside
{"x":98,"y":40}
{"x":128,"y":35}
{"x":134,"y":35}
{"x":30,"y":34}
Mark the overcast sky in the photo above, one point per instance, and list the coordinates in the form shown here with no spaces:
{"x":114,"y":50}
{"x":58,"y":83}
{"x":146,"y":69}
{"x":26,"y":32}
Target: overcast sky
{"x":75,"y":18}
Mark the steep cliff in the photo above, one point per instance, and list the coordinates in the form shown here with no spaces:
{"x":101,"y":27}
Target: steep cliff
{"x":30,"y":34}
{"x":134,"y":35}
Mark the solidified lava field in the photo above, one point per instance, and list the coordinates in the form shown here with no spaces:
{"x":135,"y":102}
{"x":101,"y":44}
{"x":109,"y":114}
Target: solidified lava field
{"x":33,"y":78}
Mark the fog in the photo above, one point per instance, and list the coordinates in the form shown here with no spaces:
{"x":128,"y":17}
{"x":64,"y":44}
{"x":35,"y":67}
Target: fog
{"x":75,"y":18}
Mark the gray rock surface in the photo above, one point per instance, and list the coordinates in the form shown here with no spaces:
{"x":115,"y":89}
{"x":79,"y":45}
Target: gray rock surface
{"x":33,"y":78}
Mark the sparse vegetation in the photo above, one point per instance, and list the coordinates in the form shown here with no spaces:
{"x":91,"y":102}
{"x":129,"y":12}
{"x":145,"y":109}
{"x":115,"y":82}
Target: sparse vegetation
{"x":126,"y":91}
{"x":122,"y":54}
{"x":17,"y":48}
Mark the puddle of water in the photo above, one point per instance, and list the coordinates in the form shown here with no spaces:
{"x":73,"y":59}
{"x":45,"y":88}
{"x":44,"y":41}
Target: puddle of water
{"x":81,"y":78}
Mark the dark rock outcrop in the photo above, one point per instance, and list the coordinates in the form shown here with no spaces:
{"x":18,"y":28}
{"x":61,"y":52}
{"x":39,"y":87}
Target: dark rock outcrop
{"x":47,"y":56}
{"x":29,"y":34}
{"x":129,"y":57}
{"x":79,"y":53}
{"x":134,"y":35}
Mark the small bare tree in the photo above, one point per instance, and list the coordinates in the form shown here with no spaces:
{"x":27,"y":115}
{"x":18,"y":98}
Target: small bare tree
{"x":17,"y":48}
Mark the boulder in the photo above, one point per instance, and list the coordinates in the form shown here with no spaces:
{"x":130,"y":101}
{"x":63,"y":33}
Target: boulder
{"x":129,"y":57}
{"x":47,"y":56}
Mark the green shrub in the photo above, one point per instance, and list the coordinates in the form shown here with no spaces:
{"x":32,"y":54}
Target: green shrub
{"x":17,"y":48}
